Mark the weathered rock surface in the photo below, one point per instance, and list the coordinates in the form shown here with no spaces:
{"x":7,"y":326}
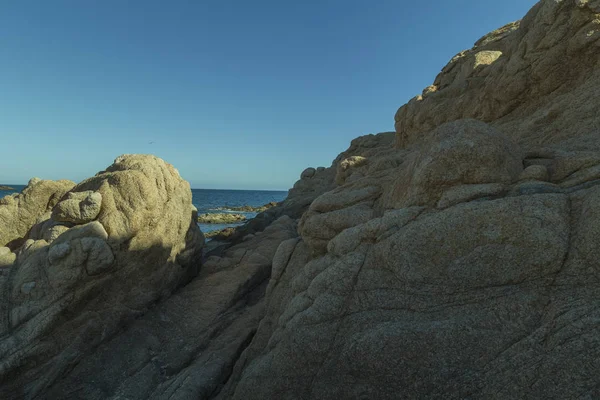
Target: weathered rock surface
{"x":78,"y":207}
{"x":7,"y":258}
{"x":534,"y":80}
{"x":460,"y":263}
{"x":114,"y":245}
{"x":18,"y":212}
{"x":463,"y":263}
{"x":318,"y":181}
{"x":185,"y":347}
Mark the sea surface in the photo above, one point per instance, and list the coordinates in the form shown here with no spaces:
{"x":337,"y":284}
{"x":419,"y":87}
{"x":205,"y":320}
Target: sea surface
{"x":217,"y":201}
{"x":213,"y":201}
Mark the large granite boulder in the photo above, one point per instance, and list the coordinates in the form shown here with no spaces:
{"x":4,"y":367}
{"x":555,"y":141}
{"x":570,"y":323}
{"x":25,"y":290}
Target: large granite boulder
{"x":115,"y":244}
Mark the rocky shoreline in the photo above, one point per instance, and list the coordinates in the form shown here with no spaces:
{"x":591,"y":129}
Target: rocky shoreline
{"x":251,"y":209}
{"x":221,"y":218}
{"x":455,"y":257}
{"x":2,"y":187}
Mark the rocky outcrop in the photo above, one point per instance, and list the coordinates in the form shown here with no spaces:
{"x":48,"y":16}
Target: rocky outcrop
{"x":19,"y":211}
{"x":248,"y":208}
{"x":221,"y":218}
{"x":535,"y":80}
{"x":3,"y":187}
{"x":112,"y":246}
{"x":186,"y":347}
{"x":314,"y":182}
{"x":462,"y":263}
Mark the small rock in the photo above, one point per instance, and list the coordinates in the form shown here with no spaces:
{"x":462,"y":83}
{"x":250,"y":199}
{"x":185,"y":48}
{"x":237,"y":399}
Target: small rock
{"x":535,"y":173}
{"x":54,"y":232}
{"x":58,"y":252}
{"x":78,"y":208}
{"x":7,"y":258}
{"x":308,"y":173}
{"x":99,"y":255}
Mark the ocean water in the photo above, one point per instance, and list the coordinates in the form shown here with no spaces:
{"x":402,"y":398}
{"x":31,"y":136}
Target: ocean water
{"x":213,"y":201}
{"x":17,"y":189}
{"x":210,"y":201}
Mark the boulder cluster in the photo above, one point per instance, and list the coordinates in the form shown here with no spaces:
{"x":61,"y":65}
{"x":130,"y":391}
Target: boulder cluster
{"x":456,"y":257}
{"x":79,"y":261}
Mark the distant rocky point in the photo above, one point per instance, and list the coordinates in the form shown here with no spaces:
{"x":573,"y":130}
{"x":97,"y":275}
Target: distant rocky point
{"x":2,"y":187}
{"x":221,"y":218}
{"x":247,"y":208}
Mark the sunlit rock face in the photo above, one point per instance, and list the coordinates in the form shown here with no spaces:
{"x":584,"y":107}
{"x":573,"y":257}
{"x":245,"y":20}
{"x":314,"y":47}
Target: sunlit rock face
{"x":101,"y":254}
{"x":18,"y":212}
{"x":535,"y":79}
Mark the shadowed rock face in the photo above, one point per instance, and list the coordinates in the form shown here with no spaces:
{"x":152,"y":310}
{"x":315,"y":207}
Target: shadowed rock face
{"x":465,"y":264}
{"x":186,"y":346}
{"x":348,"y":166}
{"x":460,"y":263}
{"x":112,"y":246}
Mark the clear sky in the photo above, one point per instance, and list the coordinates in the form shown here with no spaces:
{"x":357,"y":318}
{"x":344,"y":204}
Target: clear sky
{"x":235,"y":93}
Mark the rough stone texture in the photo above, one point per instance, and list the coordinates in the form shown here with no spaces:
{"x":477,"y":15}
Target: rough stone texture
{"x":539,"y":87}
{"x":460,"y":152}
{"x":347,"y":167}
{"x":308,"y":173}
{"x":535,"y":173}
{"x":7,"y":258}
{"x":19,"y":211}
{"x":78,"y":207}
{"x":73,"y":286}
{"x":460,"y":263}
{"x":185,"y":348}
{"x":323,"y":180}
{"x":464,"y":263}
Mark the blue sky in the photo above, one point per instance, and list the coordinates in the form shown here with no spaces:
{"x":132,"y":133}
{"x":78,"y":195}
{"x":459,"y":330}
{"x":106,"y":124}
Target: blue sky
{"x":236,"y":94}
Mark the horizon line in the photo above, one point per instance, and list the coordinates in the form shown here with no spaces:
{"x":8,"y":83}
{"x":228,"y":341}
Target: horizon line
{"x":192,"y":188}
